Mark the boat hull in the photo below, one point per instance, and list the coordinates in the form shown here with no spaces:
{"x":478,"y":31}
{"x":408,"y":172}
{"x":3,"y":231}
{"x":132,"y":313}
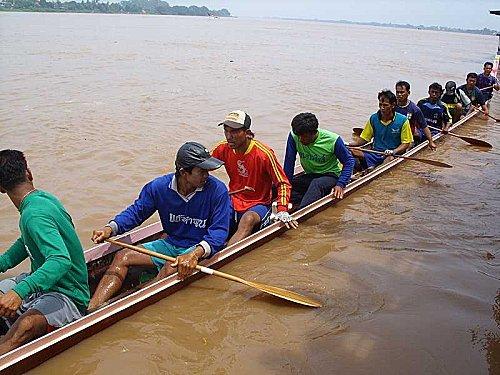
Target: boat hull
{"x":34,"y":353}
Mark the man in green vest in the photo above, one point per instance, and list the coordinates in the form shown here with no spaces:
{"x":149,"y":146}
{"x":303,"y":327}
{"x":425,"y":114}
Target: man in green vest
{"x":56,"y":291}
{"x":326,"y":161}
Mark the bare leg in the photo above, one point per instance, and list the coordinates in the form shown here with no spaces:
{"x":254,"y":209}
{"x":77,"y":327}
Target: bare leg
{"x":245,"y":227}
{"x":112,"y":280}
{"x":30,"y":325}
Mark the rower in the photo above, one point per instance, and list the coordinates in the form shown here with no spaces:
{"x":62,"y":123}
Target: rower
{"x":452,"y":101}
{"x":194,"y":210}
{"x":435,"y":112}
{"x":415,"y":116}
{"x":390,"y":131}
{"x":326,"y":161}
{"x":486,"y":82}
{"x":475,"y":95}
{"x":56,"y":291}
{"x":249,"y":162}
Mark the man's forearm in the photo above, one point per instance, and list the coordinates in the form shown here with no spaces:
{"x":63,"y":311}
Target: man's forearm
{"x":358,"y":142}
{"x":428,"y":134}
{"x":401,"y":148}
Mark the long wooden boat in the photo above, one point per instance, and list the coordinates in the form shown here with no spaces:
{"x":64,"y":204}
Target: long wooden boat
{"x":136,"y":297}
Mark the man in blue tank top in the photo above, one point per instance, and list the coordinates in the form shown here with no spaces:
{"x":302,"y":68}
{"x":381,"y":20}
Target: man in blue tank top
{"x":435,"y":112}
{"x":390,"y":131}
{"x":194,"y":210}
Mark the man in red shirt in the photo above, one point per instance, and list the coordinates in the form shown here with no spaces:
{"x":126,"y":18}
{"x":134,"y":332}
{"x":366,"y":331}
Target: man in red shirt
{"x":250,"y":163}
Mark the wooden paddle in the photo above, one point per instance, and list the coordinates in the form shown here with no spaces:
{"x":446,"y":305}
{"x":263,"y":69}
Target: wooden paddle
{"x":426,"y":161}
{"x":472,"y":141}
{"x":278,"y":292}
{"x":487,"y":114}
{"x":246,"y":188}
{"x":486,"y":88}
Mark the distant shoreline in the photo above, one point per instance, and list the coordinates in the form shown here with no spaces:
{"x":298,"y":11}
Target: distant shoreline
{"x":151,"y":7}
{"x":154,"y":7}
{"x":485,"y":31}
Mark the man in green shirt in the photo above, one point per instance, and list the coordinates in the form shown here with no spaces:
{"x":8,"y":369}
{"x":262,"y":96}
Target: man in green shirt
{"x":56,"y":291}
{"x":326,"y":161}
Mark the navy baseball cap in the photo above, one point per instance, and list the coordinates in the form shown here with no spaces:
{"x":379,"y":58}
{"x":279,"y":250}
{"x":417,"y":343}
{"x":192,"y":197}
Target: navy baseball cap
{"x":193,"y":154}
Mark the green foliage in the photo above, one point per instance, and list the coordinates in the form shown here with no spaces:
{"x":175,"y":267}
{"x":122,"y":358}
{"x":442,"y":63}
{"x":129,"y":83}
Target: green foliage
{"x":94,"y":6}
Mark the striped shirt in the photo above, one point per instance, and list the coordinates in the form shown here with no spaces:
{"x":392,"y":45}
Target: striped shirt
{"x":257,"y":168}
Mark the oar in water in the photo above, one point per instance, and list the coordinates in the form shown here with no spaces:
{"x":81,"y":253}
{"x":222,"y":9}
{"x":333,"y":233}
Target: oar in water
{"x":426,"y":161}
{"x":246,"y":188}
{"x":278,"y":292}
{"x":487,"y":114}
{"x":472,"y":141}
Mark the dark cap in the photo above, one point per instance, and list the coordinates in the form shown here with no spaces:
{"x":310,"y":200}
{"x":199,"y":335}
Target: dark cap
{"x":450,"y":87}
{"x":193,"y":154}
{"x":237,"y":120}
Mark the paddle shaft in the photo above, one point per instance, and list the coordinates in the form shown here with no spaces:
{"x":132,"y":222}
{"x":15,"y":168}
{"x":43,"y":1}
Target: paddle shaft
{"x":206,"y":270}
{"x":487,"y":114}
{"x":246,"y":188}
{"x":278,"y":292}
{"x":472,"y":141}
{"x":426,"y":161}
{"x":486,"y":88}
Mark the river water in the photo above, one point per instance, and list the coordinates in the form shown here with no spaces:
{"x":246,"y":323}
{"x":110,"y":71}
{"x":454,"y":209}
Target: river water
{"x":100,"y":104}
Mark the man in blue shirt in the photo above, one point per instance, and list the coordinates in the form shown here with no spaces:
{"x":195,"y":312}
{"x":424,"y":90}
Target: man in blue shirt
{"x":435,"y":112}
{"x":194,"y":210}
{"x":415,"y":116}
{"x":486,"y":82}
{"x":474,"y":95}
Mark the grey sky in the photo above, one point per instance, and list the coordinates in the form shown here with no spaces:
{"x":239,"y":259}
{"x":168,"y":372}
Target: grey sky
{"x":467,"y":14}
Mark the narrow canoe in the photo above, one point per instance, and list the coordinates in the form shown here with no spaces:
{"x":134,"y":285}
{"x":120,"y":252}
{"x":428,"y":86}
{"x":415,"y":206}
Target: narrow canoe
{"x":136,"y":298}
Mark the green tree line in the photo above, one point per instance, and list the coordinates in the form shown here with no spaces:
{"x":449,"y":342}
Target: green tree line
{"x":95,"y":6}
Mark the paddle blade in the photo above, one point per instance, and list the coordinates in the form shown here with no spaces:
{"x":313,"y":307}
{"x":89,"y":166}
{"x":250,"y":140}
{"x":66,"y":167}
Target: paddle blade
{"x":476,"y":142}
{"x":427,"y":161}
{"x":285,"y":294}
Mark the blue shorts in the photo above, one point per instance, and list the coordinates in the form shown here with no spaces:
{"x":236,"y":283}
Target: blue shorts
{"x":262,"y":210}
{"x":372,"y":160}
{"x":163,"y":247}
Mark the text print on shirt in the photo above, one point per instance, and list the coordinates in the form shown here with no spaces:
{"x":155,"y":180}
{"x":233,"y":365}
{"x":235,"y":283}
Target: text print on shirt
{"x":198,"y":223}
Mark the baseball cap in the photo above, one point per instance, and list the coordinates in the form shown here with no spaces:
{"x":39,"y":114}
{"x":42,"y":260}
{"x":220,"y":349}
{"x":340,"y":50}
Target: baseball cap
{"x":193,"y":154}
{"x":237,"y":119}
{"x":450,"y":87}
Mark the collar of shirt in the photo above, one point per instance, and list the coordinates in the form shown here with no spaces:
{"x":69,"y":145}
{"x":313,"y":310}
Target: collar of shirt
{"x":186,"y":198}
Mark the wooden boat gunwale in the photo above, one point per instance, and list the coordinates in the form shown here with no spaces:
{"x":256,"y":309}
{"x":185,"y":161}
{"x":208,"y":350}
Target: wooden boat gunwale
{"x":37,"y":351}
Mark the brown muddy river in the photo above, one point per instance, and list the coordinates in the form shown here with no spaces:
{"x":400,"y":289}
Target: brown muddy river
{"x":100,"y":104}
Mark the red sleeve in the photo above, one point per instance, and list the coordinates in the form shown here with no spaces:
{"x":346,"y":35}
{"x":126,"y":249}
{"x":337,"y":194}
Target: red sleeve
{"x":279,"y":180}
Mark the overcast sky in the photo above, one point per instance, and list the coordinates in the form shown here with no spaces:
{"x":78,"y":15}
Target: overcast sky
{"x":467,"y":14}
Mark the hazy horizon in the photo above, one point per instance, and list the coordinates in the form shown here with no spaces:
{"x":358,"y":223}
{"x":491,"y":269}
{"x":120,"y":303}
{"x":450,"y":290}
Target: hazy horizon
{"x":451,"y":13}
